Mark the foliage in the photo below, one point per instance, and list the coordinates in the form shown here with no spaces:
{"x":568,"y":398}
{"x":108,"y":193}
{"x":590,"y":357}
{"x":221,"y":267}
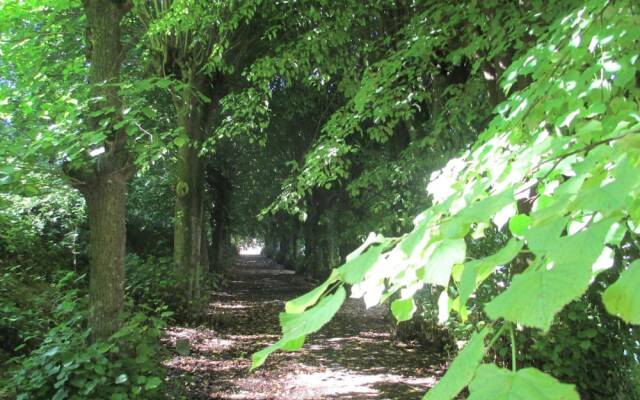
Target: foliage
{"x":64,"y":366}
{"x":27,"y":303}
{"x":331,"y":117}
{"x":39,"y":230}
{"x":53,"y":356}
{"x":150,"y":211}
{"x":586,"y":347}
{"x":152,"y":282}
{"x":558,"y":166}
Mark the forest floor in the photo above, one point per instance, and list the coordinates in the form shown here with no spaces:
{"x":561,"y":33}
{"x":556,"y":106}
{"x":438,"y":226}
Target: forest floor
{"x":352,"y":357}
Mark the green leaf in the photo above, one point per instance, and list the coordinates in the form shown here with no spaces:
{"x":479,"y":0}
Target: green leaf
{"x":299,"y":304}
{"x":535,"y":296}
{"x":52,"y":351}
{"x":181,"y":141}
{"x":445,"y":255}
{"x":485,"y":209}
{"x":371,"y":239}
{"x":295,"y":344}
{"x":5,"y":180}
{"x":461,"y":370}
{"x":614,"y":195}
{"x":545,"y":234}
{"x":622,"y":298}
{"x":415,"y":240}
{"x":149,"y":112}
{"x":518,"y":224}
{"x":588,"y":130}
{"x":61,"y":394}
{"x":152,"y":383}
{"x":122,"y":378}
{"x":354,"y":270}
{"x":296,"y":326}
{"x":496,"y":383}
{"x":403,"y":309}
{"x":476,"y":271}
{"x":99,"y":369}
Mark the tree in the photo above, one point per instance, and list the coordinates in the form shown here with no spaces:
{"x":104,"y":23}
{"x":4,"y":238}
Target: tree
{"x":86,"y":115}
{"x":104,"y":182}
{"x":202,"y":51}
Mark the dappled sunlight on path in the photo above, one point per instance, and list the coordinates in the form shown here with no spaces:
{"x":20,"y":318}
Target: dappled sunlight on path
{"x":353,"y":357}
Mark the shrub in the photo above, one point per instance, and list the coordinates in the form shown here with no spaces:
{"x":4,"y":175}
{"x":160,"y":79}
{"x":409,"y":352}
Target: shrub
{"x":152,"y":281}
{"x":43,"y":326}
{"x":65,"y":366}
{"x":43,"y":232}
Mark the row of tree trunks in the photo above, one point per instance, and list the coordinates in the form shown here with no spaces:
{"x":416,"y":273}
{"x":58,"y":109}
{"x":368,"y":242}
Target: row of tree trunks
{"x":319,"y":243}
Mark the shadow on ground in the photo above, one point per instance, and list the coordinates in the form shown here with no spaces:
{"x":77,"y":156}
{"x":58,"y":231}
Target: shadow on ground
{"x":352,"y":357}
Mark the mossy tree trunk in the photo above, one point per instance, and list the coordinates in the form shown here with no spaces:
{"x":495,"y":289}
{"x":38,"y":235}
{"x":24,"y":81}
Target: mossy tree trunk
{"x":189,"y":188}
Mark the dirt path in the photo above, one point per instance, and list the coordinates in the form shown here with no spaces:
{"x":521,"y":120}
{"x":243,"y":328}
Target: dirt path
{"x":352,"y":357}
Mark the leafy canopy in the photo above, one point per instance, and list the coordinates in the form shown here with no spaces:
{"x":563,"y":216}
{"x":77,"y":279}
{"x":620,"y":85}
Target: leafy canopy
{"x":566,"y":141}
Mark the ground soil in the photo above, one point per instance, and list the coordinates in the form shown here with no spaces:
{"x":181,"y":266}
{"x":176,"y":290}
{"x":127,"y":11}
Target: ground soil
{"x":352,"y":357}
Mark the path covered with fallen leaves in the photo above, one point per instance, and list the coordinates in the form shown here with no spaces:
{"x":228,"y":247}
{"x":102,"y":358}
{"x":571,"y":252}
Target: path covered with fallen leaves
{"x":352,"y":357}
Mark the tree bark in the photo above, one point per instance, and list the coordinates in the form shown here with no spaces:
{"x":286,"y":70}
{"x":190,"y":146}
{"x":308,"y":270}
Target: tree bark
{"x":194,"y":118}
{"x":204,"y":248}
{"x":103,"y":182}
{"x":106,"y":210}
{"x":188,"y":212}
{"x":312,"y":231}
{"x":219,"y":218}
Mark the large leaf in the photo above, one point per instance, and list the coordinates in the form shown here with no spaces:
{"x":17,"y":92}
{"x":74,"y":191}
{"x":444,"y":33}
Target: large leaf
{"x":622,"y":298}
{"x":496,"y":383}
{"x":444,"y":256}
{"x":541,"y":236}
{"x":301,"y":303}
{"x":296,"y":326}
{"x":461,"y":370}
{"x":413,"y":244}
{"x":354,"y":270}
{"x":614,"y":195}
{"x":373,"y":238}
{"x":534,"y":297}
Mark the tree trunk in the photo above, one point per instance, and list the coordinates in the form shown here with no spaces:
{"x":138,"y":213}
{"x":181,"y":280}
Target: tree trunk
{"x":194,"y":118}
{"x":220,"y":218}
{"x":188,"y":219}
{"x":106,"y":210}
{"x":294,"y":245}
{"x":283,"y":248}
{"x":204,"y":249}
{"x":103,"y":182}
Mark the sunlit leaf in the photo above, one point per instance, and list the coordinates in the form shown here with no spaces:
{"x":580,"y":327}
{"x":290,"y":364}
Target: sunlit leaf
{"x":622,"y":298}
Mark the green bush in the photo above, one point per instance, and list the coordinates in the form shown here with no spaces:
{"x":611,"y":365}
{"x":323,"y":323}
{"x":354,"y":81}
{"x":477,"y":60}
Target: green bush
{"x":588,"y":347}
{"x":43,"y":232}
{"x":66,"y":366}
{"x":23,"y":299}
{"x":43,"y":326}
{"x":28,"y":306}
{"x":153,"y":281}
